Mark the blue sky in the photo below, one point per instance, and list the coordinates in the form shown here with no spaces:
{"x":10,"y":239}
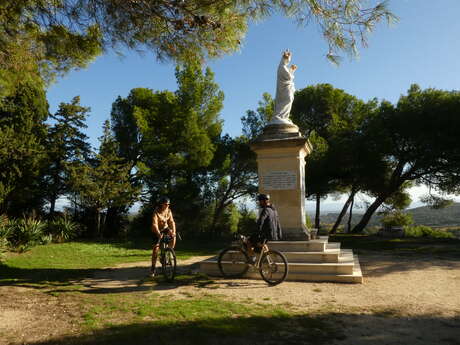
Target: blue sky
{"x":423,"y":48}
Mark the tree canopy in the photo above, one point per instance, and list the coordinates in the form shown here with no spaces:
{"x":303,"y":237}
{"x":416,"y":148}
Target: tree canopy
{"x":22,"y":147}
{"x":40,"y":39}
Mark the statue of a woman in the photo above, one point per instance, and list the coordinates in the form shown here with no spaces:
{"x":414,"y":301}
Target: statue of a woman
{"x":284,"y":88}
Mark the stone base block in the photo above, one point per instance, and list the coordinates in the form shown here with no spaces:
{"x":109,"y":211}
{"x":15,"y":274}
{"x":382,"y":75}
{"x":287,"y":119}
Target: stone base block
{"x":290,"y":234}
{"x":314,"y":260}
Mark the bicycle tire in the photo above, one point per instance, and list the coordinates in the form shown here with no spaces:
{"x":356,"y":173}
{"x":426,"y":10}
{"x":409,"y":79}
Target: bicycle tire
{"x":233,"y":262}
{"x":273,"y":267}
{"x":168,"y":263}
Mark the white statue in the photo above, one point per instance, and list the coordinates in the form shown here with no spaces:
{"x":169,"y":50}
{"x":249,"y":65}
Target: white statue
{"x":284,"y":89}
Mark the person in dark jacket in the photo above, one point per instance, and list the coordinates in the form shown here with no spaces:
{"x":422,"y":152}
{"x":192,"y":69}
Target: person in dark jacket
{"x":268,"y":224}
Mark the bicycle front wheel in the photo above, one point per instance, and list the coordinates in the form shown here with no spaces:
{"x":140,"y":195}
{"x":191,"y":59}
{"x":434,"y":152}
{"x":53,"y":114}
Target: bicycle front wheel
{"x":169,"y":264}
{"x":233,"y":262}
{"x":273,"y":267}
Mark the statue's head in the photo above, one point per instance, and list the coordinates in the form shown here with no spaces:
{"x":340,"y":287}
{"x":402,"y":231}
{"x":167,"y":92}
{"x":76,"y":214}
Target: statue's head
{"x":287,"y":54}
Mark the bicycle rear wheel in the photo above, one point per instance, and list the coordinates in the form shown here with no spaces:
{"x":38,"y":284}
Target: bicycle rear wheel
{"x":233,"y":262}
{"x":168,"y":264}
{"x":273,"y":267}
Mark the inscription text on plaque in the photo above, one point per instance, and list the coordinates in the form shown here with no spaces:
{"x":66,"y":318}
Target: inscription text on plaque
{"x":279,"y":180}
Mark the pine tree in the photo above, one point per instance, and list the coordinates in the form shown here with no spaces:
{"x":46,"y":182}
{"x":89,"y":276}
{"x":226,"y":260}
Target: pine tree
{"x":22,"y":148}
{"x":66,"y":143}
{"x":41,"y":39}
{"x":103,"y":180}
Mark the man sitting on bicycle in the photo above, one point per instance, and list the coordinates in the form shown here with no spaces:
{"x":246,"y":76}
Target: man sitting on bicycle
{"x":268,"y":225}
{"x":162,"y":223}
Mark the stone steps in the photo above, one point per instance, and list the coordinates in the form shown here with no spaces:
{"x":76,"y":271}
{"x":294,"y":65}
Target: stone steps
{"x":315,"y":260}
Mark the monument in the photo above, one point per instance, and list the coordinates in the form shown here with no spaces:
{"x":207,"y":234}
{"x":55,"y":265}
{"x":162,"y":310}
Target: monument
{"x":281,"y":150}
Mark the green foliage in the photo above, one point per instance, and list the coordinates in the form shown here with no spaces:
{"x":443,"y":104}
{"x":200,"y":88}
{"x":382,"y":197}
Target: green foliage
{"x":78,"y":255}
{"x":411,"y":137}
{"x":247,"y":223}
{"x":174,"y":141}
{"x":308,"y":222}
{"x":178,"y":129}
{"x":41,"y":39}
{"x":255,"y":121}
{"x":426,"y":231}
{"x":25,"y":232}
{"x":104,"y":180}
{"x":4,"y":233}
{"x":22,"y":150}
{"x":436,"y":202}
{"x":66,"y":143}
{"x":233,"y":176}
{"x":338,"y":162}
{"x":396,"y":218}
{"x":62,"y":229}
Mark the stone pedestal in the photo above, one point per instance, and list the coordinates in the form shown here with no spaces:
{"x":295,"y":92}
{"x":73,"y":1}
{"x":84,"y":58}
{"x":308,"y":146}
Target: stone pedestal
{"x":281,"y":152}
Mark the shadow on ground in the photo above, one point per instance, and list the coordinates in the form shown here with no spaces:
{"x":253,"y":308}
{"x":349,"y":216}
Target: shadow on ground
{"x":378,"y":257}
{"x":329,"y":328}
{"x":101,"y":281}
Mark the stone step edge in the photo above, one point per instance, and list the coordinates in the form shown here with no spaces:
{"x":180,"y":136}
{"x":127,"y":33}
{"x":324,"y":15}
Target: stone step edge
{"x":300,"y":242}
{"x":322,"y":277}
{"x":340,"y":251}
{"x":355,"y":278}
{"x":298,"y":264}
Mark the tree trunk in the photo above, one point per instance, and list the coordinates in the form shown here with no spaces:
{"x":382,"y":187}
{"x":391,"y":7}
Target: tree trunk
{"x":350,"y":216}
{"x":369,"y":212}
{"x":220,"y":207}
{"x":98,"y":222}
{"x":317,"y":214}
{"x":52,"y":204}
{"x":343,"y":212}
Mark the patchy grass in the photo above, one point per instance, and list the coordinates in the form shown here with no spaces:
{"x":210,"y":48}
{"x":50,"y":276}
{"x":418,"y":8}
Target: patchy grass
{"x":151,"y":319}
{"x":60,"y":262}
{"x":76,"y":255}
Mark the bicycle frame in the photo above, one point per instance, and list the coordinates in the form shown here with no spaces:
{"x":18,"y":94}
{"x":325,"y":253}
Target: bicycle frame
{"x":264,"y":248}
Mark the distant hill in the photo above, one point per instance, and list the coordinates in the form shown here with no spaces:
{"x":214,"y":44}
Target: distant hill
{"x":449,"y":216}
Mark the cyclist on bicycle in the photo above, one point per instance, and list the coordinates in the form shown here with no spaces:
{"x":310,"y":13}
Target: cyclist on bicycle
{"x":268,"y":225}
{"x":162,"y":224}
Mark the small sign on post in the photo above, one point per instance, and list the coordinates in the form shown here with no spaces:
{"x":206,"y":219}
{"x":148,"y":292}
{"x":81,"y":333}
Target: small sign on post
{"x":279,"y":180}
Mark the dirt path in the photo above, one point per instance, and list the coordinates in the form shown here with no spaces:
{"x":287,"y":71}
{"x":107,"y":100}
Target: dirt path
{"x":419,"y":286}
{"x":402,"y":300}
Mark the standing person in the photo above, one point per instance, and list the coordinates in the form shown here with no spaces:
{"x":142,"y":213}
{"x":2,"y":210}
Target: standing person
{"x":268,"y":224}
{"x":162,"y":223}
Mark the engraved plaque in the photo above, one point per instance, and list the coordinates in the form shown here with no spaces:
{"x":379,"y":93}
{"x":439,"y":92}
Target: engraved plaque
{"x":279,"y":180}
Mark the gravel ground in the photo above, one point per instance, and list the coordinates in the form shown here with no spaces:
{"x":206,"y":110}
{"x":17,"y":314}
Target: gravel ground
{"x":402,"y":301}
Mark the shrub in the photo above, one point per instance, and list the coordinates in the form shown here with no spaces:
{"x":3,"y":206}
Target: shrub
{"x":25,"y":233}
{"x":371,"y":230}
{"x":396,"y":218}
{"x":62,"y":229}
{"x":425,"y":231}
{"x":247,"y":223}
{"x":4,"y":230}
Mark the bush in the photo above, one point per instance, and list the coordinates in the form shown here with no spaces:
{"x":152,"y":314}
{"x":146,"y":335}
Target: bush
{"x":425,"y":231}
{"x":4,"y":230}
{"x":396,"y":218}
{"x":25,"y":233}
{"x":247,"y":221}
{"x":62,"y":229}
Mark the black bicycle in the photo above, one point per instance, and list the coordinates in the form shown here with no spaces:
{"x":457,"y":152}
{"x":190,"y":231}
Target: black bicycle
{"x":234,"y":262}
{"x":167,"y":256}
